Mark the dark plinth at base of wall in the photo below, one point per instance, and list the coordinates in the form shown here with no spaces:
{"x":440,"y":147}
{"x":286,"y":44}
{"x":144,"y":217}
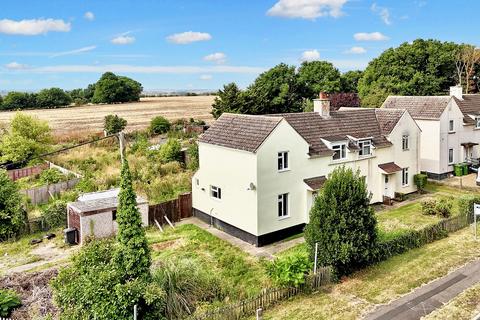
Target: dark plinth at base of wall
{"x":258,"y":241}
{"x":438,"y":176}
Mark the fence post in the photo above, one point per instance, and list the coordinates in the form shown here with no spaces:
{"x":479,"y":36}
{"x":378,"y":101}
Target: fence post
{"x":259,"y":313}
{"x":316,"y":257}
{"x":135,"y":312}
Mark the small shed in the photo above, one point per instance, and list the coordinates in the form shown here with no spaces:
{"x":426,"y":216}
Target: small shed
{"x":94,"y":214}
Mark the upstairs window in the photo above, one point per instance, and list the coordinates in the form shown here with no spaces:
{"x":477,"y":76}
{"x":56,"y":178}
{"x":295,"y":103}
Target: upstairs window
{"x":282,"y":161}
{"x":216,"y":192}
{"x":451,"y":126}
{"x":405,"y":142}
{"x":477,"y":122}
{"x":340,"y":151}
{"x":365,"y":147}
{"x":283,"y":205}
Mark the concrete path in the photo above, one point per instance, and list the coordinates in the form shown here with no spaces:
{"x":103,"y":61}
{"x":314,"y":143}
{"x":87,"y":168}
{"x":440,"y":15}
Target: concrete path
{"x":260,"y":252}
{"x":429,"y":297}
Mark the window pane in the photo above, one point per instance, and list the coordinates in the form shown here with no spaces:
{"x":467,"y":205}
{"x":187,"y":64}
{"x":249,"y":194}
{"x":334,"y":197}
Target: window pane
{"x":285,"y":160}
{"x":285,"y":204}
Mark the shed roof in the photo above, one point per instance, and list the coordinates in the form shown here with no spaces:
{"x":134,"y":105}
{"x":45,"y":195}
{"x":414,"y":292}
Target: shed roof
{"x":96,"y":202}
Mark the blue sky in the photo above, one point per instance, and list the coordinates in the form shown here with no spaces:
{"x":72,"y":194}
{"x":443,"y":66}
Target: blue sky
{"x":179,"y":44}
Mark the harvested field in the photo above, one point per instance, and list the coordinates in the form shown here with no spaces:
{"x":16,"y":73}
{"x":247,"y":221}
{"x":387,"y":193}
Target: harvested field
{"x":88,"y":119}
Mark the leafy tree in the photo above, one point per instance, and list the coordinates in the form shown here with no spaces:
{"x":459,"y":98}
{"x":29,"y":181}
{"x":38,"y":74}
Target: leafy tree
{"x":338,"y":100}
{"x":229,"y":99}
{"x":423,"y":67}
{"x":111,"y":88}
{"x":350,"y":80}
{"x":171,"y":150}
{"x":342,"y":223}
{"x":78,"y":96}
{"x":114,"y":124}
{"x":27,"y":138}
{"x":274,"y":91}
{"x":52,"y":98}
{"x":19,"y":100}
{"x":317,"y":76}
{"x":133,"y":254}
{"x":159,"y":125}
{"x":12,"y":215}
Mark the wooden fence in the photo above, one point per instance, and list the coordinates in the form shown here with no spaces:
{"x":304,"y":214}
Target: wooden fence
{"x":174,"y":210}
{"x":267,"y":298}
{"x":16,"y":174}
{"x":44,"y":193}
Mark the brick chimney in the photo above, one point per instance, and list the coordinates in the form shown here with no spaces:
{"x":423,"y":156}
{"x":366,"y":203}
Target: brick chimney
{"x":322,"y":105}
{"x":456,"y":91}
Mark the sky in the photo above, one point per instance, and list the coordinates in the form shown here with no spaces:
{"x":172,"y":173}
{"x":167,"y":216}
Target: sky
{"x":199,"y":44}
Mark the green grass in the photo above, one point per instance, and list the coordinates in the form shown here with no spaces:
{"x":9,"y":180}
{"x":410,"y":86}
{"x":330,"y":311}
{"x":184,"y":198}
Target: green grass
{"x":242,"y":274}
{"x":361,"y":292}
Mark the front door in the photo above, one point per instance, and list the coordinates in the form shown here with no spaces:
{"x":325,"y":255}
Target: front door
{"x":386,"y":192}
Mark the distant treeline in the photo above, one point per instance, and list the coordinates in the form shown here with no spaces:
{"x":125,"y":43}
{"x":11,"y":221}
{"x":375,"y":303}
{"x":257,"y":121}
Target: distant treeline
{"x":110,"y":88}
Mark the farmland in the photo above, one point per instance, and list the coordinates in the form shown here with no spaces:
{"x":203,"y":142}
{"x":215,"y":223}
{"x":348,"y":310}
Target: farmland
{"x":89,"y":118}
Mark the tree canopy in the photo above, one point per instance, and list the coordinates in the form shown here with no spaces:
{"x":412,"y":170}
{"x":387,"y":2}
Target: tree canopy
{"x":316,"y":76}
{"x":113,"y":124}
{"x":111,"y":88}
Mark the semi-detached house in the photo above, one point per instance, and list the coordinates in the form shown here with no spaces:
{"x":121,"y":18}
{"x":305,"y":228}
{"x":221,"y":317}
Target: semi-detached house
{"x":259,"y":174}
{"x":450,"y":128}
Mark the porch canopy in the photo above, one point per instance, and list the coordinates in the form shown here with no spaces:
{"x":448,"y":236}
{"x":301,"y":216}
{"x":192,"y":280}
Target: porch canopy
{"x":315,"y":183}
{"x":468,"y":144}
{"x":390,"y":167}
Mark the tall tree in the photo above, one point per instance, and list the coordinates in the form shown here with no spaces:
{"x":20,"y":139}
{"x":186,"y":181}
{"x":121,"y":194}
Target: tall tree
{"x":52,"y":98}
{"x":467,"y":61}
{"x":227,"y":100}
{"x":111,"y":88}
{"x":350,"y":81}
{"x":12,"y":215}
{"x":133,"y":254}
{"x":423,"y":67}
{"x":317,"y":76}
{"x":342,"y":223}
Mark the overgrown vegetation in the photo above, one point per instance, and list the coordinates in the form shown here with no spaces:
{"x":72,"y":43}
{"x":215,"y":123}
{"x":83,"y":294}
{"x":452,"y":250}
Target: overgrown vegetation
{"x":9,"y":300}
{"x":290,"y":270}
{"x":159,"y":125}
{"x":113,"y":124}
{"x":12,"y":215}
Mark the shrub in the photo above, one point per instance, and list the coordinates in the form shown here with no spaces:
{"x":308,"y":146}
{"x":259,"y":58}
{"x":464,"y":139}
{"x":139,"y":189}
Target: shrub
{"x":12,"y":215}
{"x":429,"y":206}
{"x":420,"y":181}
{"x":140,"y":144}
{"x":113,"y":124}
{"x":55,"y":214}
{"x":290,"y":270}
{"x":159,"y":125}
{"x":9,"y":300}
{"x":51,"y":176}
{"x":444,"y":207}
{"x":465,"y":204}
{"x":171,"y":150}
{"x":193,"y":156}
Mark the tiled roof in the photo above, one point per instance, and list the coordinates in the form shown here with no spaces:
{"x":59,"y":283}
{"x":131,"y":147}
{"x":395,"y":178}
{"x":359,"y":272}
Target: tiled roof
{"x":419,"y":107}
{"x":469,"y":105}
{"x":388,"y":119}
{"x":316,"y":182}
{"x":390,"y":167}
{"x":238,"y":131}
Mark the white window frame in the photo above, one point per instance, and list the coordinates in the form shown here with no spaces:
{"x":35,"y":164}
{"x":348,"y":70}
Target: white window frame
{"x":283,"y":161}
{"x":405,"y":177}
{"x":365,"y":144}
{"x":216,"y":192}
{"x":477,"y":122}
{"x":450,"y":151}
{"x":283,"y":210}
{"x":405,"y":142}
{"x":341,"y":149}
{"x":451,"y":126}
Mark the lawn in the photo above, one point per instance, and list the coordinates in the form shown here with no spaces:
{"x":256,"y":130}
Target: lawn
{"x":243,"y":275}
{"x":463,"y":307}
{"x":359,"y":293}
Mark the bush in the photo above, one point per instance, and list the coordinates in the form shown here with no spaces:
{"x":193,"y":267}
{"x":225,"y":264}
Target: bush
{"x":12,"y":215}
{"x":171,"y":150}
{"x":55,"y":214}
{"x":444,"y":207}
{"x":51,"y":176}
{"x":9,"y":300}
{"x":465,"y":204}
{"x":290,"y":271}
{"x":429,"y":206}
{"x":159,"y":125}
{"x":193,"y":156}
{"x":113,"y":124}
{"x":420,"y":181}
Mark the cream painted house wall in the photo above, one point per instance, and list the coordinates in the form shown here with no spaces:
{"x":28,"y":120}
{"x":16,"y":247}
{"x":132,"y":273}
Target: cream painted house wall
{"x":449,"y":139}
{"x":430,"y":142}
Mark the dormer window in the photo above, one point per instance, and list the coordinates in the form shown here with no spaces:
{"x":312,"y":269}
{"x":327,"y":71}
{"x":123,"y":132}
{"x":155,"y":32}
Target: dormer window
{"x":340,"y":151}
{"x":477,"y":122}
{"x":365,"y":147}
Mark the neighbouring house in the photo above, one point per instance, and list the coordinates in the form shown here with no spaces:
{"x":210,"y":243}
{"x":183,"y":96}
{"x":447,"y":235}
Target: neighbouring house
{"x":94,"y":214}
{"x":450,"y":129}
{"x":259,"y":174}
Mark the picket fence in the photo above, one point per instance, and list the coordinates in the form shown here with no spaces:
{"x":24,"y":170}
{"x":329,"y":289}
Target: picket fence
{"x":268,"y":298}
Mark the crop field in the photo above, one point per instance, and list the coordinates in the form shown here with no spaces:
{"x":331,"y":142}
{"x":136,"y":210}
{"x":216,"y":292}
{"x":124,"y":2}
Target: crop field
{"x":89,"y":118}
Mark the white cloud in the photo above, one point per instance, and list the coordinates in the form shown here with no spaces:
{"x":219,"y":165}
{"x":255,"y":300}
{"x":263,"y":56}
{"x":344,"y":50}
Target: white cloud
{"x":120,"y":68}
{"x":374,"y":36}
{"x":356,"y":50}
{"x":206,"y":77}
{"x":189,"y":37}
{"x":217,"y":57}
{"x":383,"y":12}
{"x":33,"y":27}
{"x":307,"y":9}
{"x":123,"y":39}
{"x":89,"y":15}
{"x":16,"y":66}
{"x":310,"y":55}
{"x":76,"y":51}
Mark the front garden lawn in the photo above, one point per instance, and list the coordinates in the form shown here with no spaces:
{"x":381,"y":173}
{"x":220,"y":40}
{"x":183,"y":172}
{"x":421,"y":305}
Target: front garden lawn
{"x":241,"y":274}
{"x":359,"y":293}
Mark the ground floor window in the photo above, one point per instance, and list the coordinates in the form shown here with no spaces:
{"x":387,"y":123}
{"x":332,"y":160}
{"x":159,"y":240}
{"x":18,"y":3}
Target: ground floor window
{"x":405,"y":177}
{"x":216,"y":192}
{"x":283,"y":205}
{"x":450,"y":156}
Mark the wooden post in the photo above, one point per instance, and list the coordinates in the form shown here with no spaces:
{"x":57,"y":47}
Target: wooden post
{"x":316,"y":258}
{"x":166,"y":218}
{"x":121,"y":140}
{"x":158,"y":225}
{"x":259,"y":313}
